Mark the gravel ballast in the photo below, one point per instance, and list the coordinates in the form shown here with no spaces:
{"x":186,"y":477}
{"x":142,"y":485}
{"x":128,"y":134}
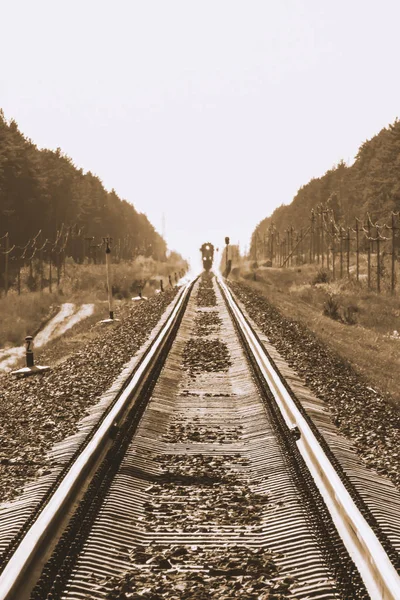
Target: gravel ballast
{"x":38,"y":411}
{"x":193,"y":573}
{"x":202,"y":493}
{"x":359,"y":411}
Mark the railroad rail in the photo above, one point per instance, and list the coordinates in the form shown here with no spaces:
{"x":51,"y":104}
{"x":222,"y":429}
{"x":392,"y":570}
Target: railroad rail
{"x":380,"y":576}
{"x":204,"y":449}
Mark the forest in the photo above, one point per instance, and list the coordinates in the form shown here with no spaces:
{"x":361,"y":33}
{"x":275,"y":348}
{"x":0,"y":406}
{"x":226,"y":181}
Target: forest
{"x":44,"y":190}
{"x":370,"y":186}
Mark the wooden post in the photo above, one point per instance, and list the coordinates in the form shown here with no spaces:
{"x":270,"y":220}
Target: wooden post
{"x":357,"y":251}
{"x":272,"y":247}
{"x":369,"y":253}
{"x":378,"y":262}
{"x":50,"y":273}
{"x":301,"y":244}
{"x":19,"y":277}
{"x":327,"y":248}
{"x":312,"y":250}
{"x":278,"y":246}
{"x":393,"y":252}
{"x":348,"y":252}
{"x":41,"y":268}
{"x":58,"y":268}
{"x":6,"y":265}
{"x":333,"y":251}
{"x":341,"y":251}
{"x":287,"y":245}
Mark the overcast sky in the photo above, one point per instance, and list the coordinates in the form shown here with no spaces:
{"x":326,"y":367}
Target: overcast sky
{"x":212,"y":112}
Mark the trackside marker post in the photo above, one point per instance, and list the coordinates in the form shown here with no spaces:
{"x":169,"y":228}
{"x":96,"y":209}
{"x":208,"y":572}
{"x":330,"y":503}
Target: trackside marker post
{"x":228,"y":263}
{"x":107,"y":241}
{"x":31,"y":368}
{"x":29,"y":351}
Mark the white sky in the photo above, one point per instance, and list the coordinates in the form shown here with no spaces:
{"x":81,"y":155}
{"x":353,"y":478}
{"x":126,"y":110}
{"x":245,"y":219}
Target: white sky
{"x":212,"y":112}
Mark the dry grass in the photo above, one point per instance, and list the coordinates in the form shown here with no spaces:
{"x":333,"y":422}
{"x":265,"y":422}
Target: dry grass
{"x":362,"y":334}
{"x":25,"y":314}
{"x":22,"y":315}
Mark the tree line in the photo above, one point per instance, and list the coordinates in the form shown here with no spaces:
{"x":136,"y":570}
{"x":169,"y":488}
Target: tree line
{"x":370,"y":186}
{"x":42,"y":190}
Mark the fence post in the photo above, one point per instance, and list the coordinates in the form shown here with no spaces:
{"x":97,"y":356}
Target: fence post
{"x":19,"y":276}
{"x":341,"y":251}
{"x":6,"y":265}
{"x":280,"y":249}
{"x":357,"y":251}
{"x":287,"y":245}
{"x":327,"y":248}
{"x":348,"y":252}
{"x":41,"y":268}
{"x":322,"y":238}
{"x":301,"y":247}
{"x":280,"y":252}
{"x":369,"y":253}
{"x":393,"y":252}
{"x":58,"y":268}
{"x":50,"y":272}
{"x":378,"y":262}
{"x":312,"y":249}
{"x":272,"y":247}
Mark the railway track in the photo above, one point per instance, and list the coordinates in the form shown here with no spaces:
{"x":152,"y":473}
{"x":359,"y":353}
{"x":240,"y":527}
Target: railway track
{"x":205,"y":478}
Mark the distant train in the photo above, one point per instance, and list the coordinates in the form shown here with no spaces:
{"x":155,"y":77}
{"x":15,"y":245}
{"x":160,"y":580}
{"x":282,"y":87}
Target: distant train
{"x":207,"y":255}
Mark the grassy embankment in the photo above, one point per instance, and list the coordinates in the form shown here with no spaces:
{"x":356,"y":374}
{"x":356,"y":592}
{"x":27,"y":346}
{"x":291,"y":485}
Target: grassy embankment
{"x":360,"y":325}
{"x":25,"y":314}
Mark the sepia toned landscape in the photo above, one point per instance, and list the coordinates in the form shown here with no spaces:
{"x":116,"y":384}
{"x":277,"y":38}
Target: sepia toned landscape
{"x":200,"y":301}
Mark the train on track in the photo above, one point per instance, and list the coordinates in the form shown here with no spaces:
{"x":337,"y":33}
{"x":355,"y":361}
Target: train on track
{"x":207,"y":255}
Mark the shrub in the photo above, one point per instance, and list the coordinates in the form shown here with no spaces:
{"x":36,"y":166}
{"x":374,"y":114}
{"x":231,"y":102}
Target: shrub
{"x":31,"y":283}
{"x":321,"y":277}
{"x":331,"y":308}
{"x":349,"y":314}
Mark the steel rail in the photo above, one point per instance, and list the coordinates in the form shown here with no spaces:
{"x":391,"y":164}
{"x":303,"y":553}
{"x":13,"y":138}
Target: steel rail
{"x":377,"y":571}
{"x":30,"y":544}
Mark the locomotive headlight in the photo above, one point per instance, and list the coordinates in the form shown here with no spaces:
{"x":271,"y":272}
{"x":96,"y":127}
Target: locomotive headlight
{"x":207,"y":247}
